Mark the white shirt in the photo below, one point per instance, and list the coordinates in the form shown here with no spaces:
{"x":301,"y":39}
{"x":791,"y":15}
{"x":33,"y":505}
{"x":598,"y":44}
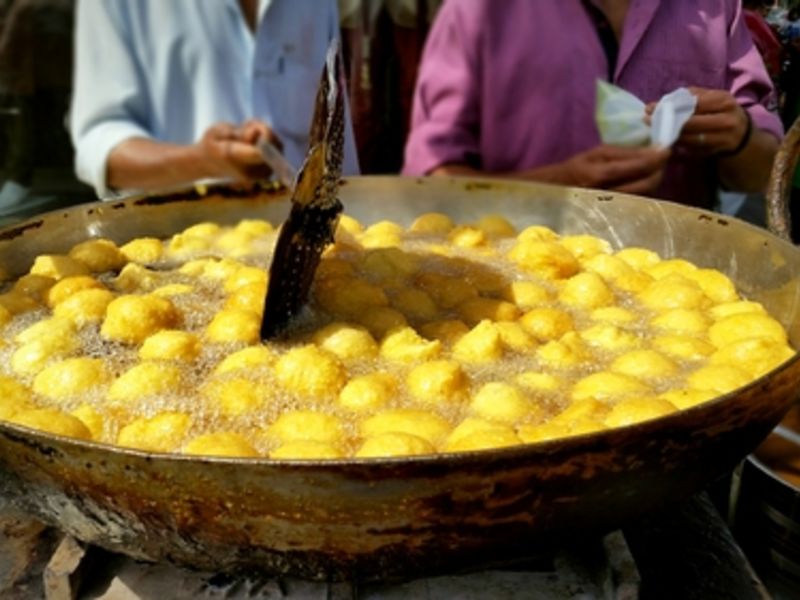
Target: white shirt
{"x":168,"y":69}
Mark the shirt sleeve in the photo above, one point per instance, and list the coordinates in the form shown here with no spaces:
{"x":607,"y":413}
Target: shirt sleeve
{"x":445,"y":117}
{"x":748,"y":79}
{"x":109,"y":102}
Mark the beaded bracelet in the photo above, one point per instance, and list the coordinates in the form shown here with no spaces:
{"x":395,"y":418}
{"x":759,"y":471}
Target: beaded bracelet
{"x":748,"y":133}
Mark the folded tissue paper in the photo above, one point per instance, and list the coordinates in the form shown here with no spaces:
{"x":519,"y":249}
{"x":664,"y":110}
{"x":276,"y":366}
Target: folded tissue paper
{"x":620,"y":116}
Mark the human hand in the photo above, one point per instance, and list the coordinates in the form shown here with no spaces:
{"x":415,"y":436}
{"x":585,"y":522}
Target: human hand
{"x":230,"y":151}
{"x":719,"y":124}
{"x":623,"y":169}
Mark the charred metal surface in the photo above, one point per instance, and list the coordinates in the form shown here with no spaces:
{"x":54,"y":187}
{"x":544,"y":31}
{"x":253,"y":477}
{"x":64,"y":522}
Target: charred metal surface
{"x":15,"y":232}
{"x":389,"y":518}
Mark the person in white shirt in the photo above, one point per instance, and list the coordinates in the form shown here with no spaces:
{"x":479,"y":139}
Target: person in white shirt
{"x":168,"y":92}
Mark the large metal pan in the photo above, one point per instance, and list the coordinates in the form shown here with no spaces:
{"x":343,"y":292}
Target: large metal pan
{"x":411,"y":516}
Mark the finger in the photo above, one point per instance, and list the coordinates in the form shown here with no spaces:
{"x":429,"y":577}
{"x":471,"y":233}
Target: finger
{"x":711,"y":123}
{"x":221,"y":131}
{"x":713,"y":101}
{"x":633,"y":169}
{"x":645,"y":185}
{"x":241,"y":154}
{"x":255,"y":130}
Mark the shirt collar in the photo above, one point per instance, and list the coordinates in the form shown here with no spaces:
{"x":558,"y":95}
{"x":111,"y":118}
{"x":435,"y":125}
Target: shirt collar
{"x":640,"y":15}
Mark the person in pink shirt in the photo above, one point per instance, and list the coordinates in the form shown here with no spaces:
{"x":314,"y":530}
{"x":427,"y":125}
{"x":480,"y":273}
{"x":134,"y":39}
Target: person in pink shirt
{"x":508,"y":89}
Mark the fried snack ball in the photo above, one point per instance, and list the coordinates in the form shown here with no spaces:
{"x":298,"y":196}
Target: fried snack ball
{"x":52,"y":420}
{"x":172,"y":289}
{"x":644,"y":364}
{"x":426,"y":425}
{"x":448,"y":331}
{"x":673,"y":291}
{"x":531,"y":433}
{"x":538,"y":233}
{"x":514,"y":336}
{"x":35,"y":286}
{"x":238,"y":396}
{"x":149,"y":378}
{"x":70,"y":377}
{"x":349,"y":224}
{"x":584,"y":246}
{"x":349,"y":297}
{"x":31,"y":357}
{"x":346,"y":341}
{"x":404,"y":344}
{"x":164,"y":432}
{"x":714,"y":284}
{"x":415,"y":304}
{"x":245,"y":276}
{"x":481,"y":344}
{"x":503,"y":403}
{"x":605,"y":385}
{"x":437,"y":381}
{"x":5,"y":315}
{"x":614,"y":315}
{"x":539,"y":383}
{"x":394,"y":443}
{"x":131,"y":319}
{"x":311,"y":371}
{"x":368,"y":392}
{"x":682,"y":347}
{"x":757,"y":356}
{"x":681,"y":321}
{"x":16,"y":302}
{"x":232,"y":325}
{"x":728,"y":309}
{"x":170,"y":344}
{"x":496,"y":226}
{"x":46,"y":329}
{"x":259,"y":227}
{"x":382,"y":234}
{"x":298,"y":425}
{"x":386,"y":264}
{"x":478,"y":309}
{"x":14,"y":397}
{"x":306,"y":449}
{"x":585,"y":409}
{"x":549,"y":260}
{"x":136,"y":278}
{"x":526,"y":294}
{"x":99,"y":255}
{"x":58,"y":266}
{"x":433,"y":223}
{"x":619,"y":273}
{"x":465,"y":236}
{"x":84,"y":307}
{"x":447,"y":291}
{"x":93,"y":420}
{"x":638,"y":258}
{"x":381,"y":320}
{"x":742,"y":326}
{"x":636,"y":410}
{"x":249,"y":297}
{"x":143,"y":250}
{"x":718,"y":378}
{"x":609,"y":337}
{"x":221,"y":443}
{"x":479,"y":434}
{"x":566,"y":353}
{"x":249,"y":359}
{"x":586,"y":290}
{"x":547,"y":323}
{"x":684,"y":399}
{"x":670,"y":267}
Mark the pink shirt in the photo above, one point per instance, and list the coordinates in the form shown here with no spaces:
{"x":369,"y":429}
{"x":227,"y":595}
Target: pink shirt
{"x":510,"y":85}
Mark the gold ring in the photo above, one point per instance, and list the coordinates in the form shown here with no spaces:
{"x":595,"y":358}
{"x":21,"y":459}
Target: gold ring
{"x":701,"y":138}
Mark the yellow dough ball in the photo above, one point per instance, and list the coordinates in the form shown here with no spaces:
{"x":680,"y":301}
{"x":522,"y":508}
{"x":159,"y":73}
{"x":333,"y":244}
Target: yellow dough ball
{"x":31,"y":357}
{"x":349,"y":297}
{"x":549,"y":260}
{"x":638,"y":258}
{"x":728,"y":309}
{"x":480,"y":434}
{"x":742,"y":326}
{"x":54,"y":329}
{"x":448,"y":331}
{"x":714,"y":284}
{"x":415,"y":304}
{"x":482,"y":344}
{"x":16,"y":302}
{"x":230,"y":326}
{"x":389,"y":264}
{"x":257,"y":227}
{"x":606,"y":385}
{"x":447,"y":292}
{"x":514,"y":336}
{"x":35,"y":286}
{"x":84,"y":307}
{"x":757,"y":356}
{"x":99,"y":255}
{"x":644,"y":364}
{"x":586,"y":290}
{"x":58,"y":266}
{"x":478,"y":309}
{"x":368,"y":392}
{"x":613,"y":315}
{"x":131,"y":319}
{"x":609,"y":337}
{"x":539,"y":383}
{"x":537,"y":233}
{"x":68,"y":286}
{"x":145,"y":379}
{"x":223,"y":443}
{"x":164,"y":432}
{"x":136,"y":278}
{"x":681,"y":321}
{"x":426,"y":425}
{"x":718,"y":378}
{"x":585,"y":246}
{"x":249,"y":297}
{"x":307,"y":425}
{"x":543,"y":432}
{"x":682,"y":347}
{"x":585,"y":409}
{"x":92,"y":419}
{"x":673,"y":291}
{"x":249,"y":359}
{"x":669,"y":267}
{"x":143,"y":250}
{"x":170,"y":344}
{"x":464,"y":236}
{"x":636,"y":410}
{"x":394,"y":443}
{"x":381,"y":320}
{"x":14,"y":397}
{"x":502,"y":402}
{"x":54,"y":421}
{"x":566,"y":353}
{"x":684,"y":399}
{"x":348,"y":342}
{"x":306,"y":449}
{"x":437,"y":381}
{"x":547,"y":323}
{"x":70,"y":377}
{"x":245,"y":276}
{"x":432,"y":223}
{"x":238,"y":396}
{"x":309,"y":371}
{"x":404,"y":344}
{"x":526,"y":294}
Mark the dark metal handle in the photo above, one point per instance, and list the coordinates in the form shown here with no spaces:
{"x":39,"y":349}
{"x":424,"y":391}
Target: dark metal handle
{"x":779,"y":189}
